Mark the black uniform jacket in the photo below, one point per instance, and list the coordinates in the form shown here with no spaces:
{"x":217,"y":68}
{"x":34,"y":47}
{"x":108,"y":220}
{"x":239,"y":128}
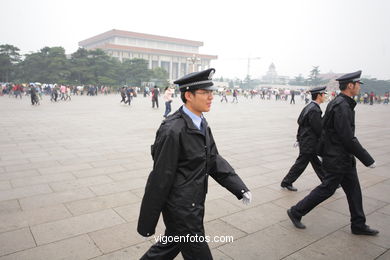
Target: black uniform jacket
{"x":310,"y":126}
{"x":339,"y":142}
{"x":177,"y":186}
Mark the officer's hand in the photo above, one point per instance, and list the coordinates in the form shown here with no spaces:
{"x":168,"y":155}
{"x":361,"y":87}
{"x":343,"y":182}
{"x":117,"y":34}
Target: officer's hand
{"x":296,"y":144}
{"x":372,"y":165}
{"x":247,"y":198}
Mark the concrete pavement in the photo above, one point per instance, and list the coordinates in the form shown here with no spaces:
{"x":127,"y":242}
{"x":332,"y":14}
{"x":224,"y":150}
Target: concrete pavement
{"x":72,"y":176}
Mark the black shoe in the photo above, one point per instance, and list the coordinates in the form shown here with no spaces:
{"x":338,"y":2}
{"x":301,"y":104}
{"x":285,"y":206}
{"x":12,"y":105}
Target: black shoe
{"x":288,"y":186}
{"x":366,"y":230}
{"x":296,"y":221}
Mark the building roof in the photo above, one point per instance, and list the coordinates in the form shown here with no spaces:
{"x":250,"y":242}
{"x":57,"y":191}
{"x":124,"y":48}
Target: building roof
{"x":109,"y":46}
{"x":114,"y":32}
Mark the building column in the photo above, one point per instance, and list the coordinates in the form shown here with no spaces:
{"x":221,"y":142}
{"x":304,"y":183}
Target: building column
{"x":150,"y":62}
{"x":170,"y":70}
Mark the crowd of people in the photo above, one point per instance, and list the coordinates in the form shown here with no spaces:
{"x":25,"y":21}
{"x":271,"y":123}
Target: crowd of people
{"x":59,"y":92}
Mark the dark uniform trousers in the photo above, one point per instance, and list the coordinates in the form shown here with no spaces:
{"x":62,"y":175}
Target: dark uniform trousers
{"x":349,"y":182}
{"x":168,"y":251}
{"x":300,"y":165}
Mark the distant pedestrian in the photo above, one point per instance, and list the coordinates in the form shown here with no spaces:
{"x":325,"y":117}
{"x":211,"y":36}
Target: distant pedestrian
{"x":155,"y":94}
{"x":292,"y":97}
{"x":129,"y":95}
{"x":168,"y":100}
{"x":372,"y":96}
{"x":33,"y":95}
{"x":235,"y":96}
{"x":123,"y":95}
{"x":224,"y":98}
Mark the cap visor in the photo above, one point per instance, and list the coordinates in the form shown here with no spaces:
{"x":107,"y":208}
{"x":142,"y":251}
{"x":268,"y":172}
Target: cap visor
{"x":211,"y":88}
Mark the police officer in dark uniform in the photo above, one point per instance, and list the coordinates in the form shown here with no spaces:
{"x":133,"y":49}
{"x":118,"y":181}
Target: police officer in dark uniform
{"x":339,"y":149}
{"x":184,"y":155}
{"x":309,"y":132}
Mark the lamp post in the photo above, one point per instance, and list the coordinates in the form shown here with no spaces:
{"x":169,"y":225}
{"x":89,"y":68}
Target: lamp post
{"x":193,"y":60}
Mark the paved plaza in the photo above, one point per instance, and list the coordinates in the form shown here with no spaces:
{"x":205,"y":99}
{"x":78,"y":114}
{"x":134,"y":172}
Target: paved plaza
{"x":72,"y":176}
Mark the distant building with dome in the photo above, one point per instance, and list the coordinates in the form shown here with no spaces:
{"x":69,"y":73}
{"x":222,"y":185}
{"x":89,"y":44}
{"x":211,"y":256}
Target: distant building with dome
{"x":272,"y":77}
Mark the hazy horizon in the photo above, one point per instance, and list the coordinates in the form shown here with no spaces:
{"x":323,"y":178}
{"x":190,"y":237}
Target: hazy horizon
{"x":337,"y":36}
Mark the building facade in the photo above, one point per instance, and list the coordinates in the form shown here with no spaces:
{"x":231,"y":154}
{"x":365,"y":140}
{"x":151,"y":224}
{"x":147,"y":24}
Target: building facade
{"x":272,"y":76}
{"x":177,"y":56}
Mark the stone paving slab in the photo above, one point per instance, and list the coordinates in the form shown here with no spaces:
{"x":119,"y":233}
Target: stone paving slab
{"x":24,"y":192}
{"x":79,"y":183}
{"x":102,"y":202}
{"x":132,"y":252}
{"x":339,"y":245}
{"x":54,"y":198}
{"x":273,"y":242}
{"x":5,"y":185}
{"x":72,"y":177}
{"x":73,"y":226}
{"x":81,"y":247}
{"x":9,"y":206}
{"x":16,"y":240}
{"x":26,"y":218}
{"x":116,"y":237}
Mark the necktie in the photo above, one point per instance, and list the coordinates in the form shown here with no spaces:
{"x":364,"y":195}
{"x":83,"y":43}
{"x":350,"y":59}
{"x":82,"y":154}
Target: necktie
{"x":203,"y":126}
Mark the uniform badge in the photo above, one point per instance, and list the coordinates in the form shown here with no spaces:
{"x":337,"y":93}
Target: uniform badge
{"x":211,"y":74}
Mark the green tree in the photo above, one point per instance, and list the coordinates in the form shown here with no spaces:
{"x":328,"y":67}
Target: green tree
{"x":298,"y":81}
{"x":102,"y":67}
{"x":9,"y":57}
{"x":377,"y":86}
{"x":49,"y":65}
{"x":80,"y":72}
{"x":314,"y":79}
{"x":160,"y":76}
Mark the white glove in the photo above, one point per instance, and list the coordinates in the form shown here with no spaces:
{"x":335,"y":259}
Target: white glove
{"x":372,"y":165}
{"x":247,"y":198}
{"x":296,"y":144}
{"x":319,"y":158}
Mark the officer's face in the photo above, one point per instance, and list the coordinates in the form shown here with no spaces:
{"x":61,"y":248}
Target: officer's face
{"x":200,"y":101}
{"x":322,"y":97}
{"x":356,"y":88}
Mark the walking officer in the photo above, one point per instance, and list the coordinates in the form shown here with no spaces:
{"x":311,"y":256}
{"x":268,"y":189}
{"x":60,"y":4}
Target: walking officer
{"x":184,"y":155}
{"x":309,"y":132}
{"x":339,"y":149}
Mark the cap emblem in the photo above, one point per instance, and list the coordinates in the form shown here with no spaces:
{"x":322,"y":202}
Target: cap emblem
{"x":211,"y":74}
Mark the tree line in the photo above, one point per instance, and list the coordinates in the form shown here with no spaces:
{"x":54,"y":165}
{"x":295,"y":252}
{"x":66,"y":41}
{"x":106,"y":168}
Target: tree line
{"x":95,"y":67}
{"x":83,"y":67}
{"x":313,"y":79}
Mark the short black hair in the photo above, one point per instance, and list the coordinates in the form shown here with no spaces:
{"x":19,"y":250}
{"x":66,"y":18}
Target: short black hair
{"x":343,"y":85}
{"x":315,"y":95}
{"x":183,"y":97}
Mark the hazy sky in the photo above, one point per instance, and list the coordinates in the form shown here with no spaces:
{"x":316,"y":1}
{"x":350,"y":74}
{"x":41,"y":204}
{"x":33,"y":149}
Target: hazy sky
{"x":337,"y":35}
